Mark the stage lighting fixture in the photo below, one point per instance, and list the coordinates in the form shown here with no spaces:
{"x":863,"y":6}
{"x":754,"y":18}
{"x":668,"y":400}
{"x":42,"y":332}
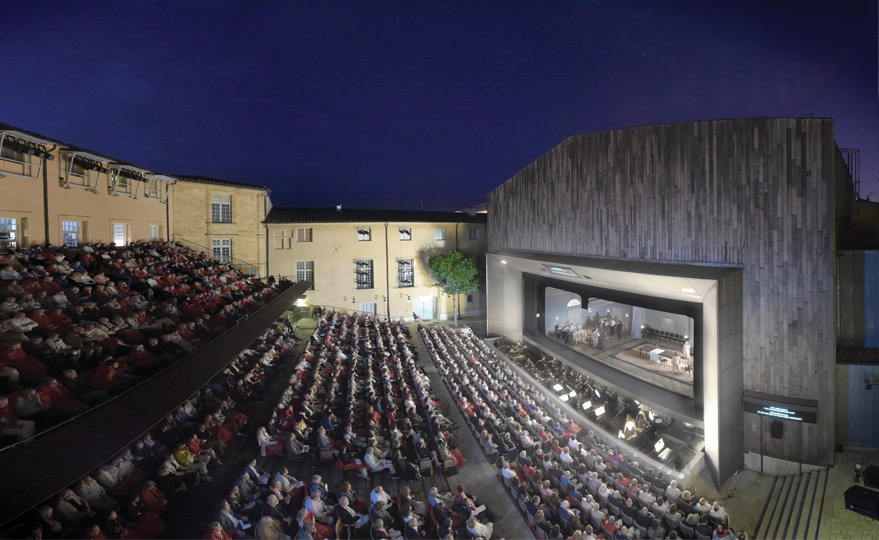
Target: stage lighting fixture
{"x":538,"y":315}
{"x":503,"y":262}
{"x":599,"y":411}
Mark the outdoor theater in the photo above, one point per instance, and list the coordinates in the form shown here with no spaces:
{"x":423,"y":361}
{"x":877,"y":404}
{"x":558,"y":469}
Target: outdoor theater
{"x":687,"y":267}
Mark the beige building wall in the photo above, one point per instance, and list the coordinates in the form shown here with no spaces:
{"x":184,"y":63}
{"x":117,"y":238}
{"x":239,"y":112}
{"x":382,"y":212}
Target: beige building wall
{"x":334,"y":247}
{"x":42,"y":200}
{"x":194,"y":224}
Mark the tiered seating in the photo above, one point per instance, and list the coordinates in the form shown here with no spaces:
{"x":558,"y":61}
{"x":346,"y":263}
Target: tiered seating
{"x":359,"y":404}
{"x":135,"y":494}
{"x":567,"y":481}
{"x":78,"y":325}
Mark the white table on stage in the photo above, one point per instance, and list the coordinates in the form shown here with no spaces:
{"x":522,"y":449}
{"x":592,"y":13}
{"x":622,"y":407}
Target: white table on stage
{"x":654,"y":355}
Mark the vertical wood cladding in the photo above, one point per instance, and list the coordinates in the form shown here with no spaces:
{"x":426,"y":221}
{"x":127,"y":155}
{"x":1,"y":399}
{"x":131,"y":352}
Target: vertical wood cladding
{"x":755,"y":193}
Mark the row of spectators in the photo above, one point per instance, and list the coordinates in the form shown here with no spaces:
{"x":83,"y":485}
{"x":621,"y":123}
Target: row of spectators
{"x":358,"y":401}
{"x":134,"y":494}
{"x":78,"y":325}
{"x":568,"y":482}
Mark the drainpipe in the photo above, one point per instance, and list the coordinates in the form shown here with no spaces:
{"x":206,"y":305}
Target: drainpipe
{"x":265,"y":216}
{"x":387,"y":274}
{"x":45,"y":201}
{"x":168,"y":210}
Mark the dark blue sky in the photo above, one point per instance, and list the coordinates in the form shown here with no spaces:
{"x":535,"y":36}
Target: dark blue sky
{"x":385,"y":104}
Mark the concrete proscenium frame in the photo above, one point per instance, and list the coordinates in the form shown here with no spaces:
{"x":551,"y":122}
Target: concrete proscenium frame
{"x":515,"y":285}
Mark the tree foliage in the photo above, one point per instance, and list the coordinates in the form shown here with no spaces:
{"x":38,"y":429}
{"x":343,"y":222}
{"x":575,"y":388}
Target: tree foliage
{"x":454,"y":272}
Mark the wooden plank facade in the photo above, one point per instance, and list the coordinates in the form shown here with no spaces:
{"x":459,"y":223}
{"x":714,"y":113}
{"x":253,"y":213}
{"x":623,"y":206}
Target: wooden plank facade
{"x":756,"y":194}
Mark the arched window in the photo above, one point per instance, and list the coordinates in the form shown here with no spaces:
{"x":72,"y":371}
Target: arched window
{"x":574,"y":302}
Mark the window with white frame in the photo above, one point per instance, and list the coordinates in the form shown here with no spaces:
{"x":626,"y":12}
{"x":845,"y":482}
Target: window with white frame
{"x":405,"y":273}
{"x":154,"y":233}
{"x":120,"y":234}
{"x":283,"y":239}
{"x":405,"y":234}
{"x":124,"y":185}
{"x":473,"y":233}
{"x":221,"y":208}
{"x":439,"y":234}
{"x":70,"y":233}
{"x":364,"y":234}
{"x":11,"y":154}
{"x":303,"y":234}
{"x":76,"y":175}
{"x":369,"y":308}
{"x":363,"y":276}
{"x":305,"y":272}
{"x":153,"y":189}
{"x":8,"y":233}
{"x":223,"y":249}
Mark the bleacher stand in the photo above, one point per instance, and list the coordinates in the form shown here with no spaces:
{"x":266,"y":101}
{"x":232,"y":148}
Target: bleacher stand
{"x":568,"y":482}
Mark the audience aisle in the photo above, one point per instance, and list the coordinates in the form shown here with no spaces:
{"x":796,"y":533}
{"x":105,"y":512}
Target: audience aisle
{"x":480,"y":475}
{"x":202,"y":502}
{"x":392,"y":366}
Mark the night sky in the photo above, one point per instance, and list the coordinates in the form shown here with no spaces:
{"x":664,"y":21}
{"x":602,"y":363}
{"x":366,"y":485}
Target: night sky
{"x":403,"y":104}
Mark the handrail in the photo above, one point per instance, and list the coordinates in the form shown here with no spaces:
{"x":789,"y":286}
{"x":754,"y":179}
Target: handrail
{"x":348,"y":311}
{"x":141,"y":383}
{"x":209,"y":251}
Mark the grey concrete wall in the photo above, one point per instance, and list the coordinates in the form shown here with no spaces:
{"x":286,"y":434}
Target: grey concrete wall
{"x":749,"y":193}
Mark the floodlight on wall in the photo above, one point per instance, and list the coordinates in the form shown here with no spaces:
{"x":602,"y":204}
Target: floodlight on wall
{"x":538,"y":315}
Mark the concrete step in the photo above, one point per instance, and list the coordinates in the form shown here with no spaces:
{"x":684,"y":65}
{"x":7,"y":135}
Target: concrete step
{"x":793,"y":507}
{"x":480,"y":328}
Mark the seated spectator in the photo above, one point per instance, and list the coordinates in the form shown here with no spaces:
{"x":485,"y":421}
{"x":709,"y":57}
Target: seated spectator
{"x":480,"y":530}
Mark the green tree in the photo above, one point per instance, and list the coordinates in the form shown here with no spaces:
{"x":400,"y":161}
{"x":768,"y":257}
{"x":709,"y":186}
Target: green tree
{"x":455,"y":273}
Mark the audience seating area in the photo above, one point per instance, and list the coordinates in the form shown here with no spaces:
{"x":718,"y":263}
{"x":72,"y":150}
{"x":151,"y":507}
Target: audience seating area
{"x":79,"y":325}
{"x":139,"y":493}
{"x":568,"y":482}
{"x":357,"y":410}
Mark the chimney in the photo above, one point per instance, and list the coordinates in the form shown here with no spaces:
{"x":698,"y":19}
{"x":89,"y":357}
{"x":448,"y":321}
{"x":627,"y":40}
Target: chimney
{"x":338,"y":208}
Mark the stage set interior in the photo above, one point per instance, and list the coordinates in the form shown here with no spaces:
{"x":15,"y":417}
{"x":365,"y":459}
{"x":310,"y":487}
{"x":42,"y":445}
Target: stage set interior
{"x":646,"y":313}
